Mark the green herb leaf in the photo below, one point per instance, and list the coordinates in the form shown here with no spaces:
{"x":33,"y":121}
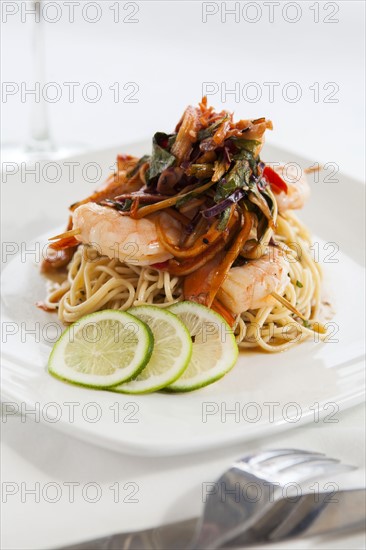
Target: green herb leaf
{"x":184,"y":199}
{"x":120,"y":206}
{"x":187,"y":197}
{"x":224,"y":218}
{"x":238,"y":177}
{"x":306,"y":324}
{"x":160,"y":158}
{"x":246,"y":151}
{"x":248,"y":145}
{"x":300,"y":285}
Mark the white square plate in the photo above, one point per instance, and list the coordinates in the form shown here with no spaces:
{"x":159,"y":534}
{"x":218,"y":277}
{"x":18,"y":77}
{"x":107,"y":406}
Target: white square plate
{"x":264,"y":392}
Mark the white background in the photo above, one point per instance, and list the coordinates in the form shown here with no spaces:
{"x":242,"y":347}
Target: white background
{"x":170,"y":53}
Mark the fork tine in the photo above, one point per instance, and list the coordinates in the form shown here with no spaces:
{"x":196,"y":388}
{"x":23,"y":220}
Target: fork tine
{"x":300,"y":460}
{"x":264,"y":456}
{"x":322,"y":469}
{"x":273,"y":469}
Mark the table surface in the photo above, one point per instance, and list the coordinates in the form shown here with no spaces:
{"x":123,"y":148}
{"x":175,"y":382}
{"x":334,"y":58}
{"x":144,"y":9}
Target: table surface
{"x":170,"y":54}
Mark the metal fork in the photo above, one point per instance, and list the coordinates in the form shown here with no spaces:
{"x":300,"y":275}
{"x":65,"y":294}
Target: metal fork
{"x":243,"y":505}
{"x":245,"y":492}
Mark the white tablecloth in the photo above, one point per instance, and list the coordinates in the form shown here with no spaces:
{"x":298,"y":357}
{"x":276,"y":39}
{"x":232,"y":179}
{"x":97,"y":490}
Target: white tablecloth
{"x":168,"y":489}
{"x":170,"y":53}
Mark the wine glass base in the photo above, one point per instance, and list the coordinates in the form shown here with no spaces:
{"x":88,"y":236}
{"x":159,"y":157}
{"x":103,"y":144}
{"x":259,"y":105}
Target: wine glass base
{"x":15,"y":153}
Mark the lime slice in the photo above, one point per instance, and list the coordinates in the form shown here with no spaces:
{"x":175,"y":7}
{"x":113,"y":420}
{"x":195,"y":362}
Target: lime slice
{"x":102,"y":349}
{"x":171,"y":354}
{"x":214,"y":352}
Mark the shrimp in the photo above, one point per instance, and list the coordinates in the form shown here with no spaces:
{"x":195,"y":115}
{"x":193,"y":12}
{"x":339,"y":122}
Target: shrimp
{"x":298,"y":189}
{"x":250,"y":286}
{"x":129,"y":240}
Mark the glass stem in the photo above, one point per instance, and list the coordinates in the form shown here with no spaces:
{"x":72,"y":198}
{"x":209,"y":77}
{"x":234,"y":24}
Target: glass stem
{"x":40,"y":139}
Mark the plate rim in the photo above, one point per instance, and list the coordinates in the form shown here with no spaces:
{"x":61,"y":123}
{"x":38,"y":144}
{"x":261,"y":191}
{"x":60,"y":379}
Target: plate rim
{"x":201,"y":443}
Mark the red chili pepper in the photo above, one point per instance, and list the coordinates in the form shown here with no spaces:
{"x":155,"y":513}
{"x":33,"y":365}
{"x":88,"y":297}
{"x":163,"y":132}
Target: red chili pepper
{"x":275,"y":181}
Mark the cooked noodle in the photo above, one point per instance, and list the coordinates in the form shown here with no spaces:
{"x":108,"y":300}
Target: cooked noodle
{"x":200,"y":206}
{"x":97,"y":282}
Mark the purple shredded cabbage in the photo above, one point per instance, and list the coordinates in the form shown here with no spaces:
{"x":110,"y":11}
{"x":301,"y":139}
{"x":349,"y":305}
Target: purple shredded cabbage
{"x":259,"y":180}
{"x":218,"y":208}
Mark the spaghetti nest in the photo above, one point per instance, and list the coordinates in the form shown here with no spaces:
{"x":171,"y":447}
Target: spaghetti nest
{"x":95,"y":282}
{"x":213,"y":222}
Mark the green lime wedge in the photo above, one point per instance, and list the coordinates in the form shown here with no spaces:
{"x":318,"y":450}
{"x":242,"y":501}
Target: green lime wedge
{"x":171,"y":354}
{"x":102,"y":349}
{"x":214,"y":352}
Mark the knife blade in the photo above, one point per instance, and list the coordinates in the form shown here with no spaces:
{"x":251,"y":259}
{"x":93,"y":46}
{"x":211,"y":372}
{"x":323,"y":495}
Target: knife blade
{"x":311,"y":514}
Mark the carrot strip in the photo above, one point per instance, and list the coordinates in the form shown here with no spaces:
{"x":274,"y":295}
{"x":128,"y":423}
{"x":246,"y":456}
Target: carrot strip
{"x":313,"y":169}
{"x":203,"y":242}
{"x":231,"y":256}
{"x":224,"y":312}
{"x":193,"y":264}
{"x":220,"y":134}
{"x":69,"y":233}
{"x":134,"y":208}
{"x":197,"y":285}
{"x":62,"y":244}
